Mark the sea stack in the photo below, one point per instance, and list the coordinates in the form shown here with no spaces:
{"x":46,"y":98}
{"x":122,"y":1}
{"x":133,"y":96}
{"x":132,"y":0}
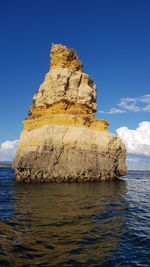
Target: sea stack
{"x":62,"y":140}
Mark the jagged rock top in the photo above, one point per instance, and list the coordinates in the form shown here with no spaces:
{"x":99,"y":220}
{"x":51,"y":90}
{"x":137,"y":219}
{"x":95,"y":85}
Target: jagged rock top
{"x":64,"y":57}
{"x":65,"y":81}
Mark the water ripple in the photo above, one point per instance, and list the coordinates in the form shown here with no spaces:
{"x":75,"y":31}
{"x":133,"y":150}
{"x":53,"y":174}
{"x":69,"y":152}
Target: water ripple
{"x":105,"y":224}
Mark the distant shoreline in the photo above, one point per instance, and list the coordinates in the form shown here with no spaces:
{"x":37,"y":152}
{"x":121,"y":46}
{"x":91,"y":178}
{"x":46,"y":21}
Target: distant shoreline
{"x":6,"y":165}
{"x":138,"y":169}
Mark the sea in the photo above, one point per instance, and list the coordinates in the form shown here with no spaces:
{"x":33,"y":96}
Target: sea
{"x":93,"y":224}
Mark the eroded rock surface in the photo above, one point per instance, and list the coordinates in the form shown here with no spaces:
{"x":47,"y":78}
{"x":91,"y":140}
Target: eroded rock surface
{"x":64,"y":57}
{"x":62,"y":140}
{"x":67,"y":85}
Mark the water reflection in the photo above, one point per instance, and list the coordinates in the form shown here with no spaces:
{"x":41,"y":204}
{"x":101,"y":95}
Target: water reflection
{"x":63,"y":224}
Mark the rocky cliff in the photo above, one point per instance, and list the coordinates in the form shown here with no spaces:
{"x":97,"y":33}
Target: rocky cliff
{"x":62,"y":140}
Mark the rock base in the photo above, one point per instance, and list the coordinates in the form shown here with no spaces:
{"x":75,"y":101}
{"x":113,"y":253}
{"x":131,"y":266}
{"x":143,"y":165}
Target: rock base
{"x":69,"y":154}
{"x":35,"y":176}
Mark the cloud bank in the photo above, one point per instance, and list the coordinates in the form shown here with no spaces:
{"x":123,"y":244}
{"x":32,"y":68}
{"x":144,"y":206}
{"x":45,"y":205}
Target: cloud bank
{"x":137,"y":141}
{"x":8,"y":150}
{"x":129,"y":104}
{"x":141,"y":103}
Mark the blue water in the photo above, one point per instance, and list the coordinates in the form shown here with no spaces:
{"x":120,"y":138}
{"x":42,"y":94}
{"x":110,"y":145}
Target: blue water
{"x":106,"y":224}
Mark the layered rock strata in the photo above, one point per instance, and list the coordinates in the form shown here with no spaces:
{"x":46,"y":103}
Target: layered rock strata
{"x":62,"y":140}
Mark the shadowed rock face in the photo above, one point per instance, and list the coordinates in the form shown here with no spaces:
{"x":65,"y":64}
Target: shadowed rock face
{"x":62,"y":140}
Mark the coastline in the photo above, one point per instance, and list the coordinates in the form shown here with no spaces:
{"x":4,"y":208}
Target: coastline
{"x":5,"y":165}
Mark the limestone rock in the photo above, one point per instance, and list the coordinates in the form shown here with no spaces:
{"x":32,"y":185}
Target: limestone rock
{"x":62,"y":140}
{"x":62,"y":84}
{"x":64,"y":57}
{"x":56,"y":153}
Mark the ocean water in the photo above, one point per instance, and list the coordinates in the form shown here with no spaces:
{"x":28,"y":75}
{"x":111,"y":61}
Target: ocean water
{"x":97,"y":224}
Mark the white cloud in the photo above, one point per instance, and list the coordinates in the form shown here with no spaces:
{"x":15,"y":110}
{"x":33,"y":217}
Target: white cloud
{"x":146,"y":100}
{"x":147,"y":108}
{"x":137,"y":141}
{"x":141,"y":103}
{"x":115,"y":110}
{"x":101,"y":111}
{"x":129,"y":104}
{"x":8,"y":150}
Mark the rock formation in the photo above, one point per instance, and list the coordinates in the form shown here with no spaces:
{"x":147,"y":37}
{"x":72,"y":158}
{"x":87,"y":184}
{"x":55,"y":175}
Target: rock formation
{"x":62,"y":140}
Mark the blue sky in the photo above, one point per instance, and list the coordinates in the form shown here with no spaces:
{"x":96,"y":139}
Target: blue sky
{"x":112,"y":38}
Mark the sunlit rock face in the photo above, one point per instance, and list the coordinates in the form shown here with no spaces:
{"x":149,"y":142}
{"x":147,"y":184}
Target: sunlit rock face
{"x":62,"y":140}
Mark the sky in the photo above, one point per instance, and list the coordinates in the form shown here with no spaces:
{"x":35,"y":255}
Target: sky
{"x":112,"y":39}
